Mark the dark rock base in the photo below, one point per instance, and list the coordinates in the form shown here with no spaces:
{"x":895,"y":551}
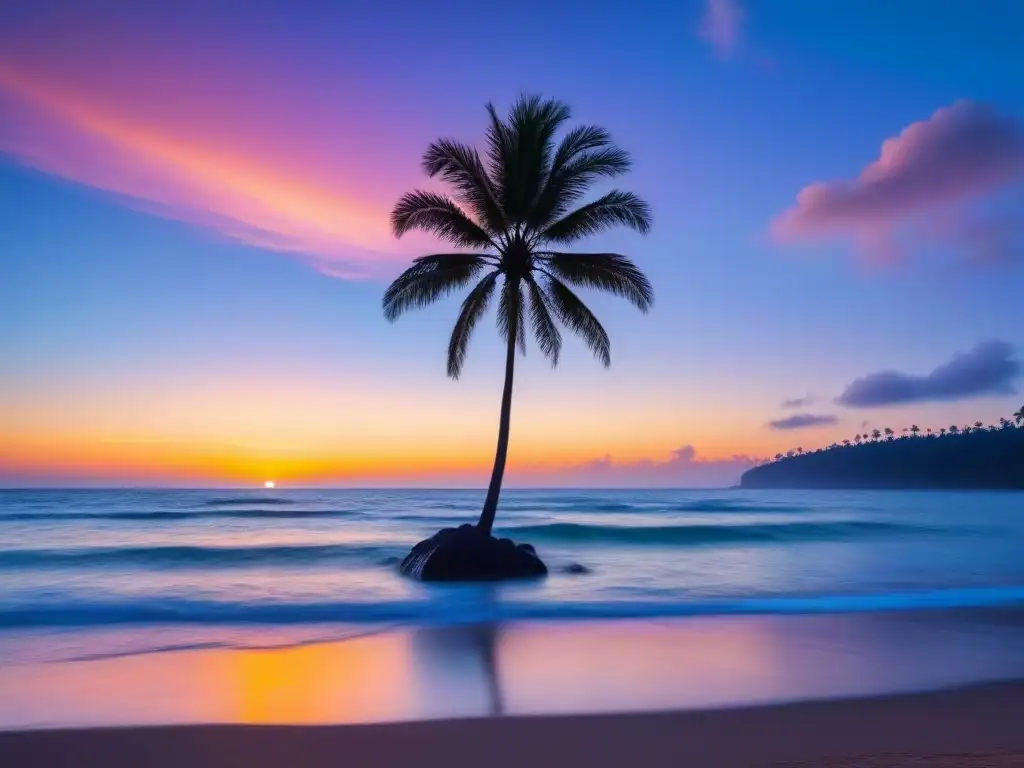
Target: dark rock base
{"x":465,"y":554}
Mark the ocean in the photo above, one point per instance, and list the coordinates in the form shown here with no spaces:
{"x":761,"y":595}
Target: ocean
{"x":111,"y":571}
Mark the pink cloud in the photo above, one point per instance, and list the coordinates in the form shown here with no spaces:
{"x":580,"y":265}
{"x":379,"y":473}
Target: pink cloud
{"x":721,"y":25}
{"x":682,"y":469}
{"x":921,"y":189}
{"x":184,"y":123}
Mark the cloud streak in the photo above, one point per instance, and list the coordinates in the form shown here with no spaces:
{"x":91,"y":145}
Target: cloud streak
{"x":803,"y":421}
{"x":988,"y":369}
{"x":920,"y":191}
{"x":799,"y":402}
{"x":179,"y":135}
{"x":682,"y":469}
{"x":722,"y":26}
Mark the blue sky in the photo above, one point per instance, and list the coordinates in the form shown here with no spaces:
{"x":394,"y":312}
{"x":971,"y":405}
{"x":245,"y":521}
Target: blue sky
{"x":140,"y":307}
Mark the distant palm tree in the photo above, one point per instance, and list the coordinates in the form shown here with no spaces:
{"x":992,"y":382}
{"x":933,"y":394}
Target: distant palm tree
{"x":857,"y":439}
{"x":867,"y":436}
{"x":847,"y":442}
{"x":1018,"y":417}
{"x":511,"y":213}
{"x":929,"y":431}
{"x":915,"y":430}
{"x":978,"y":424}
{"x":799,"y":451}
{"x":953,"y":429}
{"x":889,"y":433}
{"x":875,"y":434}
{"x":778,"y":456}
{"x":1004,"y":423}
{"x":942,"y":432}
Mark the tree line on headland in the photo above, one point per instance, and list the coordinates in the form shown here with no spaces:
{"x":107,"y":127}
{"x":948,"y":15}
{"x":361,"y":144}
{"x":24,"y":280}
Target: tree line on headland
{"x":971,"y":456}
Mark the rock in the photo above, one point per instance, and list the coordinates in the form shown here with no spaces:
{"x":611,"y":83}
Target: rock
{"x":465,"y":554}
{"x":575,"y":569}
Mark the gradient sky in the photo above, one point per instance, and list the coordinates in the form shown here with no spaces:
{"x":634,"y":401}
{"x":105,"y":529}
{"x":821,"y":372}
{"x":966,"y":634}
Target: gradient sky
{"x":194,"y":237}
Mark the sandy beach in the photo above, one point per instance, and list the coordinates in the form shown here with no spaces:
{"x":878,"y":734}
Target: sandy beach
{"x":977,"y":726}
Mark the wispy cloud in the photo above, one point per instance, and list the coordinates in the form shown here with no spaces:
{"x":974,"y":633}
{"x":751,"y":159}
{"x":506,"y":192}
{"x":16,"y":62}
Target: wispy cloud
{"x":803,"y":421}
{"x":722,"y":26}
{"x":922,"y":190}
{"x":219,"y":184}
{"x":988,"y":369}
{"x":799,"y":402}
{"x":684,"y":468}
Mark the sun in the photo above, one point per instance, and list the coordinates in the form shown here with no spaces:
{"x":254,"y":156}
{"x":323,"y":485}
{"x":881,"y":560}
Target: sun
{"x":269,"y":484}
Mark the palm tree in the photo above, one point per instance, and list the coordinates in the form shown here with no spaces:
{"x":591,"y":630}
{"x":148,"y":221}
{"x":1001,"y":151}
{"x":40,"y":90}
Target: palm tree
{"x":1004,"y":423}
{"x":510,"y":214}
{"x":875,"y":434}
{"x":953,"y":429}
{"x":889,"y":433}
{"x":979,"y":424}
{"x":915,"y":430}
{"x":942,"y":432}
{"x":1018,"y":417}
{"x":778,"y":456}
{"x":856,"y":439}
{"x":847,"y":442}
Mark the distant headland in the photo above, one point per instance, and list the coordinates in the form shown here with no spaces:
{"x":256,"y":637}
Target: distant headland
{"x":970,"y":457}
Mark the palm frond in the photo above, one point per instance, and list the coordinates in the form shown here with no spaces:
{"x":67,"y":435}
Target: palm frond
{"x":585,"y":154}
{"x":544,"y":329}
{"x":429,"y":279}
{"x":609,"y":272}
{"x":615,"y":208}
{"x":575,"y":316}
{"x":530,"y":127}
{"x":511,"y":309}
{"x":460,"y":165}
{"x":499,"y":151}
{"x":473,"y":308}
{"x":438,"y":215}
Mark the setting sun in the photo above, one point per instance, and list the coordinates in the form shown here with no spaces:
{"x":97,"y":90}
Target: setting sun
{"x":269,"y":484}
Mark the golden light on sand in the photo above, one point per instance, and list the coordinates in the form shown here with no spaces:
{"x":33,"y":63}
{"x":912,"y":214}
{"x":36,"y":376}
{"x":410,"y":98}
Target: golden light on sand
{"x":269,"y":484}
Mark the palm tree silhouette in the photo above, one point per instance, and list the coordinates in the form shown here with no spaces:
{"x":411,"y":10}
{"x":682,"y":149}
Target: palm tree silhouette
{"x":889,"y":433}
{"x":942,"y":432}
{"x":511,"y":213}
{"x":1018,"y":417}
{"x":953,"y":429}
{"x":915,"y":430}
{"x":875,"y":434}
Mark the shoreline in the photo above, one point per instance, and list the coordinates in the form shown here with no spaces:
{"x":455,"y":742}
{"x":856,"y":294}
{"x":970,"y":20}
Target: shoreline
{"x":566,"y":668}
{"x":975,"y":725}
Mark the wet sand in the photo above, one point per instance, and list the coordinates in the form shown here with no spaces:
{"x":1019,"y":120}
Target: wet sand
{"x":977,"y":726}
{"x":723,"y":691}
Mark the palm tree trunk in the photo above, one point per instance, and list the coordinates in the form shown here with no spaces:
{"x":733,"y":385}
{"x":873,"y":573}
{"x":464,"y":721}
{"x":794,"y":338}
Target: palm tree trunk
{"x":486,"y":522}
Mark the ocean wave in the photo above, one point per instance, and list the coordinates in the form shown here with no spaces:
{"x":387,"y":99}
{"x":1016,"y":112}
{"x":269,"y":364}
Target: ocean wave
{"x":729,"y":505}
{"x":157,"y":515}
{"x":242,"y":501}
{"x":465,"y":611}
{"x":696,"y":535}
{"x":194,"y":556}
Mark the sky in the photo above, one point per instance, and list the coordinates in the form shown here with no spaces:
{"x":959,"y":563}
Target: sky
{"x":194,"y":236}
